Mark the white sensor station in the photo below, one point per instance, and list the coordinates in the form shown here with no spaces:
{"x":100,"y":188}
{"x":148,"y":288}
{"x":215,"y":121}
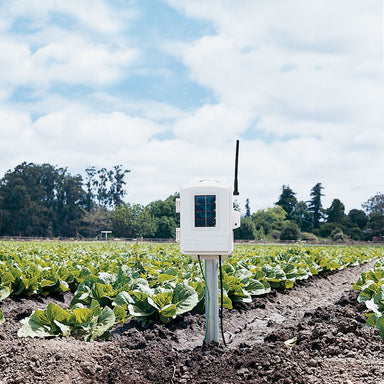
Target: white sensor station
{"x":207,"y":221}
{"x":207,"y":218}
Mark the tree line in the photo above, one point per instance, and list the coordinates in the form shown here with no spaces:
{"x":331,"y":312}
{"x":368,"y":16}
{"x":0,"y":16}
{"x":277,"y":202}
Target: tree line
{"x":47,"y":201}
{"x":291,"y":219}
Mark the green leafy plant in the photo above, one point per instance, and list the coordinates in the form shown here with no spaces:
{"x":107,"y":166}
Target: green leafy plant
{"x":371,"y":287}
{"x":152,"y":282}
{"x":88,"y":323}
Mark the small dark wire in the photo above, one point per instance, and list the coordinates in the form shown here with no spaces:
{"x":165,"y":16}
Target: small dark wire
{"x":222,"y":302}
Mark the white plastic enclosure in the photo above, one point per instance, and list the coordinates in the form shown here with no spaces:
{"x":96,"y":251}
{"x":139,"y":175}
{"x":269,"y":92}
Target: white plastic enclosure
{"x":207,"y":218}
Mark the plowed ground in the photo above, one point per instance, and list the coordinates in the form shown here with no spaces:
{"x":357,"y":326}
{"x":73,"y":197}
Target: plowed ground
{"x":333,"y":345}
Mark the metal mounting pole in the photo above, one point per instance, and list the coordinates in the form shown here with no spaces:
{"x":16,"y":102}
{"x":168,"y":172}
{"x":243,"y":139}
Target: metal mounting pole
{"x":211,"y":300}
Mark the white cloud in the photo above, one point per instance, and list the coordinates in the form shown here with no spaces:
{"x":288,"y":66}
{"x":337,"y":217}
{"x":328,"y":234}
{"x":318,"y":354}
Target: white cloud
{"x":317,"y":26}
{"x":211,"y":125}
{"x":301,"y":82}
{"x":80,"y":62}
{"x":148,"y":109}
{"x":70,"y":61}
{"x":63,"y":42}
{"x":310,"y":74}
{"x":75,"y":130}
{"x":13,"y":124}
{"x":92,"y":14}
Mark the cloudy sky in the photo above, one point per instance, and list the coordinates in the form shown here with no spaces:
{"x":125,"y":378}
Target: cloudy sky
{"x":165,"y":87}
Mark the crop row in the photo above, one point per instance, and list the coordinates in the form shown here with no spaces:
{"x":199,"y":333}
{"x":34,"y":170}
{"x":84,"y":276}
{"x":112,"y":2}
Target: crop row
{"x":111,"y":281}
{"x":371,"y":287}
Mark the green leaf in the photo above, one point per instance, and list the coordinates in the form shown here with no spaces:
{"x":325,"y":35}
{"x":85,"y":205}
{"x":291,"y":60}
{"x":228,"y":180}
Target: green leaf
{"x":105,"y":322}
{"x":380,"y":326}
{"x":82,"y":294}
{"x":107,"y":278}
{"x":165,"y":277}
{"x":161,"y":300}
{"x":81,"y":315}
{"x":185,"y":298}
{"x":2,"y":319}
{"x":372,"y":319}
{"x":140,"y":307}
{"x":63,"y":286}
{"x":40,"y":317}
{"x":199,"y":288}
{"x":7,"y":279}
{"x":227,"y":302}
{"x":168,"y":313}
{"x":290,"y":271}
{"x":123,"y":298}
{"x":256,"y":287}
{"x":95,"y":307}
{"x":30,"y":284}
{"x":120,"y":313}
{"x":368,"y":290}
{"x":4,"y":292}
{"x":142,"y":286}
{"x":55,"y":312}
{"x":103,"y":293}
{"x":37,"y":325}
{"x":239,"y":294}
{"x":65,"y":329}
{"x":288,"y":283}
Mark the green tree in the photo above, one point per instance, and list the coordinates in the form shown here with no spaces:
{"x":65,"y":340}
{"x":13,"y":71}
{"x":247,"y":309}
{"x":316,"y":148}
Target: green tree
{"x":117,"y":191}
{"x":335,"y":213}
{"x":290,"y":231}
{"x":315,"y":206}
{"x":166,"y":219}
{"x":246,"y":231}
{"x":266,"y":221}
{"x":70,"y":204}
{"x":165,"y":228}
{"x":325,"y":229}
{"x":338,"y":235}
{"x":375,"y":204}
{"x":133,"y":221}
{"x":247,"y":208}
{"x":302,"y":216}
{"x":40,"y":200}
{"x":375,"y":226}
{"x":358,"y":217}
{"x":95,"y":221}
{"x":105,"y":187}
{"x":102,"y":187}
{"x":287,"y":199}
{"x":90,"y":184}
{"x":355,"y":233}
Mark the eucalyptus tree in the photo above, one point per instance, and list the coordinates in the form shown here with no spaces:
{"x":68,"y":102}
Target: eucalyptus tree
{"x":40,"y":200}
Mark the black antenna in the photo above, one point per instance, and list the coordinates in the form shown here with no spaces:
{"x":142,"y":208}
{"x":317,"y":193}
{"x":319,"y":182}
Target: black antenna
{"x":235,"y":187}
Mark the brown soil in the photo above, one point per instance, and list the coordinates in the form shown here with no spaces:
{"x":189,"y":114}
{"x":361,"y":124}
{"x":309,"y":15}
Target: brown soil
{"x":333,"y":344}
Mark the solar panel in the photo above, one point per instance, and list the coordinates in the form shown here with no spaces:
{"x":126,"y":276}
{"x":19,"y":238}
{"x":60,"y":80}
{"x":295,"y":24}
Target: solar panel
{"x":205,"y":210}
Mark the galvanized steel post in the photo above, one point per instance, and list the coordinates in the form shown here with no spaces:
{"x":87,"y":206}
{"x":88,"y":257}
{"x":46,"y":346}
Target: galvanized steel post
{"x":211,"y":299}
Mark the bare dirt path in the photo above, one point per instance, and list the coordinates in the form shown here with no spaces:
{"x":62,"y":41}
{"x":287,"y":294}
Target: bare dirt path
{"x":251,"y":323}
{"x":333,"y":345}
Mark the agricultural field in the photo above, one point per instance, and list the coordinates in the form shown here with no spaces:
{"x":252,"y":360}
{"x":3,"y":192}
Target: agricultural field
{"x":133,"y":313}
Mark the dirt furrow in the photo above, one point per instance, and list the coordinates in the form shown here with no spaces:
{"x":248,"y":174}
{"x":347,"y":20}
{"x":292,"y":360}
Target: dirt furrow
{"x":330,"y":344}
{"x":251,"y":323}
